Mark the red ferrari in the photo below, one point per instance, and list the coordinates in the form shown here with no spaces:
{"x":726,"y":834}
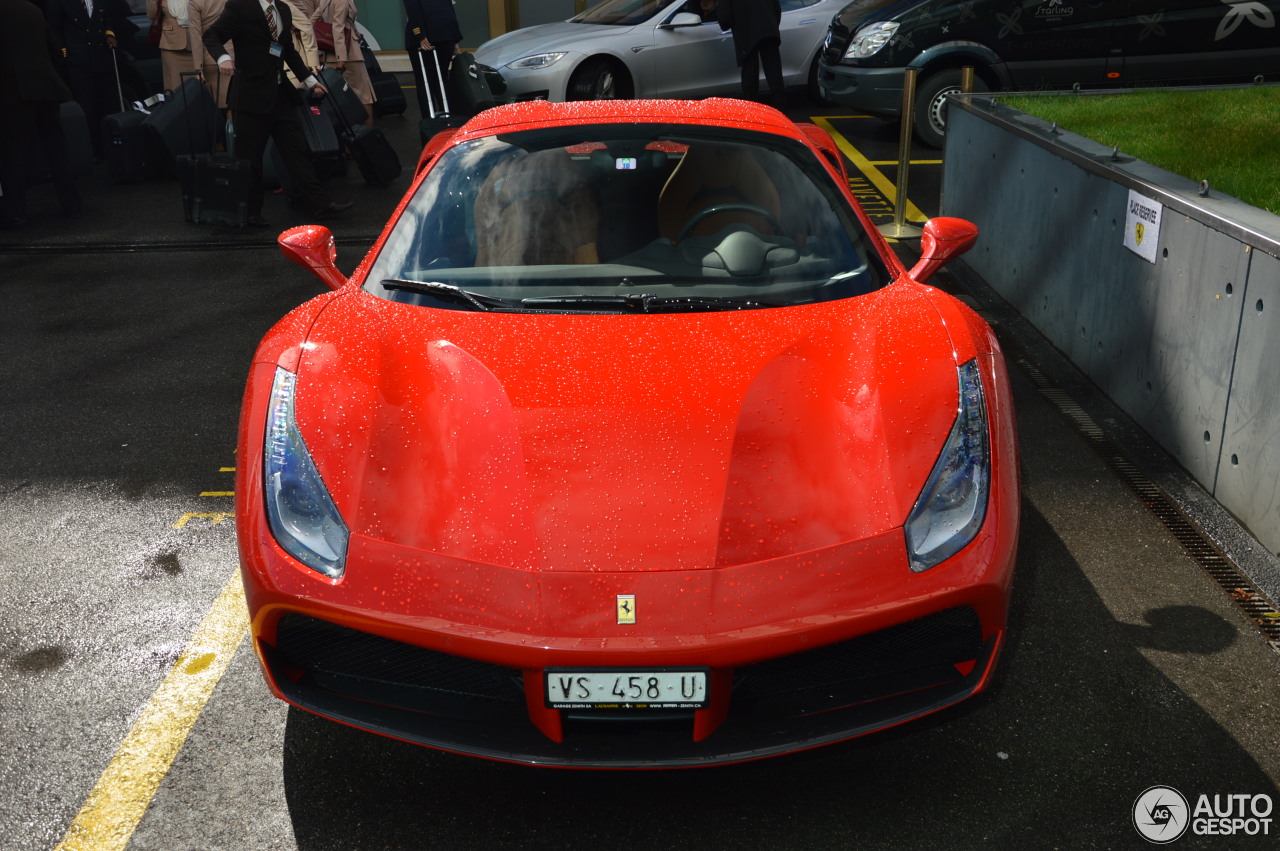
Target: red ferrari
{"x":630,"y":444}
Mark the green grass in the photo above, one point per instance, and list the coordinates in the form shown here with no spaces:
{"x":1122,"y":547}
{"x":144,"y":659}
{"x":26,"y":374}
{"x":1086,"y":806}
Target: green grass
{"x":1229,"y":137}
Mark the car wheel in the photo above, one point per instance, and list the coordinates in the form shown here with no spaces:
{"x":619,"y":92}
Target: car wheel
{"x":598,"y":79}
{"x":812,"y":90}
{"x":931,"y":104}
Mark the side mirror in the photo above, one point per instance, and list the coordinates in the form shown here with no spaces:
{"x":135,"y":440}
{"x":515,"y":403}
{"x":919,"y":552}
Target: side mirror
{"x":312,"y":247}
{"x":683,"y":19}
{"x":944,"y":239}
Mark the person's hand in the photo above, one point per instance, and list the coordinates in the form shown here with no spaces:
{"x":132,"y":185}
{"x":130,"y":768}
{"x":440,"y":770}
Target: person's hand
{"x":227,"y":68}
{"x":425,"y":45}
{"x":319,"y":90}
{"x":342,"y":66}
{"x":111,"y":41}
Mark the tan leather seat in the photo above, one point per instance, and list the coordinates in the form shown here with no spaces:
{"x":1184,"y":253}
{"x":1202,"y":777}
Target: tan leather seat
{"x":714,"y":174}
{"x":537,"y":209}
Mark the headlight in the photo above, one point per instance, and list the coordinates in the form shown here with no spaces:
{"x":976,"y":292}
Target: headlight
{"x":533,"y":63}
{"x":868,"y":40}
{"x":953,"y":504}
{"x":302,"y":516}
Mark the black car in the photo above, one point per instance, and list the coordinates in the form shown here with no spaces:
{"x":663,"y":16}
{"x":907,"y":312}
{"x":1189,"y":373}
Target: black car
{"x":1039,"y":44}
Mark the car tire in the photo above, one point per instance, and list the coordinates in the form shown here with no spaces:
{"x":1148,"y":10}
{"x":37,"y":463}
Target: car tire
{"x":931,"y":104}
{"x":812,"y":90}
{"x":599,"y":79}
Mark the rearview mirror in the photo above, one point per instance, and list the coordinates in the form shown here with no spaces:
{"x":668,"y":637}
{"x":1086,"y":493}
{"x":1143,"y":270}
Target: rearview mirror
{"x":944,"y":239}
{"x":312,"y":247}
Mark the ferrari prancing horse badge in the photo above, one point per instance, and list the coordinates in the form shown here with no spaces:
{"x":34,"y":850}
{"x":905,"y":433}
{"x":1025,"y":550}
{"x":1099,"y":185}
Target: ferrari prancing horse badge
{"x":626,"y":608}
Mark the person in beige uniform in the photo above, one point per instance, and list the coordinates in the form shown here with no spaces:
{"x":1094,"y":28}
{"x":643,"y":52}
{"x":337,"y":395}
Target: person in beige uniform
{"x":304,"y":36}
{"x":175,"y":52}
{"x":346,"y":55}
{"x":200,"y":16}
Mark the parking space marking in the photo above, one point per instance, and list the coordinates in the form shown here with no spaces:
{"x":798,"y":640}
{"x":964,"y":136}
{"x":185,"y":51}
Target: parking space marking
{"x":214,"y":517}
{"x":117,"y":803}
{"x":886,"y":187}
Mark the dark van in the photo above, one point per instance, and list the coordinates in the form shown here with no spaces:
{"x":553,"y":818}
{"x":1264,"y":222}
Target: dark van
{"x":1039,"y":44}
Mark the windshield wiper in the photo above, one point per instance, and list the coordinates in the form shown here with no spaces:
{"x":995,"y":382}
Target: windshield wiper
{"x":643,"y":302}
{"x":447,"y":292}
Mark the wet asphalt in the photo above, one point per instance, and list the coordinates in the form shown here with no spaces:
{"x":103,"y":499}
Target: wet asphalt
{"x":124,"y":343}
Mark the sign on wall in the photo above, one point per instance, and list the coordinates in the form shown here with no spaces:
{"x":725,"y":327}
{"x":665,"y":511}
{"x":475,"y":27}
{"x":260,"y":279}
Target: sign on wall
{"x":1142,"y":226}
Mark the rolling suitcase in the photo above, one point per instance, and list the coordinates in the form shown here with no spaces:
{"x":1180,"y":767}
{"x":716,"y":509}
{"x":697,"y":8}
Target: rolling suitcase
{"x":215,"y":186}
{"x":374,"y":156}
{"x":322,"y":140}
{"x":440,"y":120}
{"x":470,"y":84}
{"x":170,"y":122}
{"x":389,"y":97}
{"x":127,"y":145}
{"x":342,"y":105}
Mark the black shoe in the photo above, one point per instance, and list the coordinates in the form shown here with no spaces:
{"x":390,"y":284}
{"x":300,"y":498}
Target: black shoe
{"x":333,"y":208}
{"x":256,"y":221}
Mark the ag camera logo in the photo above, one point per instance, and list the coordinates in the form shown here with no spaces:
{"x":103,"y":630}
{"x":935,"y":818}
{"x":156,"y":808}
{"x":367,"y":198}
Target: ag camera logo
{"x":1160,"y":814}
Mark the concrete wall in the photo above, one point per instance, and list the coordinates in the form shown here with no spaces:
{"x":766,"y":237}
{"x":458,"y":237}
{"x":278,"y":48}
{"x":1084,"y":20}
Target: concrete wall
{"x":1189,"y":345}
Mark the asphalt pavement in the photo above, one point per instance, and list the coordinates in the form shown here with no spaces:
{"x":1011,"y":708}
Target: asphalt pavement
{"x":124,"y":343}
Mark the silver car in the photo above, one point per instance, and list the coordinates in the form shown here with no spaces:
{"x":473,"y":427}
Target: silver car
{"x":646,"y":49}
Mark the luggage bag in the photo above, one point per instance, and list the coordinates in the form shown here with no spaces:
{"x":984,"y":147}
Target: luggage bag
{"x":128,"y":148}
{"x":323,"y":148}
{"x":374,"y":156}
{"x":343,"y":105}
{"x":170,"y":121}
{"x":437,"y":120}
{"x":470,"y":84}
{"x":215,"y":186}
{"x":390,"y":99}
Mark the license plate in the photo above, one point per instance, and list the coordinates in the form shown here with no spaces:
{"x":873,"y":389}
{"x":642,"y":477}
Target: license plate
{"x":631,"y":689}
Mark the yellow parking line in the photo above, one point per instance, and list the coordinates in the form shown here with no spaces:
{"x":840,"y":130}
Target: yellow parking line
{"x":217,"y":493}
{"x":873,"y":174}
{"x":124,"y":791}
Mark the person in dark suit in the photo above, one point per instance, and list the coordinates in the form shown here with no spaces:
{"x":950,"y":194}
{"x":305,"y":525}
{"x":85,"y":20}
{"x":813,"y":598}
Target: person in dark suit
{"x":431,"y":29}
{"x":88,"y":32}
{"x":30,"y":91}
{"x":755,"y":25}
{"x":262,"y":100}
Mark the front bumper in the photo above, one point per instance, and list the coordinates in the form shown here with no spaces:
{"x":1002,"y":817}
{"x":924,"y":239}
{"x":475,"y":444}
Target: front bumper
{"x":779,"y":706}
{"x":875,"y":91}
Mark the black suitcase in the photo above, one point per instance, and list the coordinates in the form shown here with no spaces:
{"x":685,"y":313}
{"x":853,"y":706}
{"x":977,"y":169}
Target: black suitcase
{"x":129,"y":148}
{"x":323,"y":148}
{"x":374,"y":156}
{"x":215,"y":189}
{"x":170,"y":122}
{"x":470,"y":84}
{"x":389,"y":97}
{"x":441,"y":119}
{"x":343,"y":105}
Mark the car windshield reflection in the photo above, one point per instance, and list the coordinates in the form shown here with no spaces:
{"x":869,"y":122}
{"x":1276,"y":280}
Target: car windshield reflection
{"x":626,"y":218}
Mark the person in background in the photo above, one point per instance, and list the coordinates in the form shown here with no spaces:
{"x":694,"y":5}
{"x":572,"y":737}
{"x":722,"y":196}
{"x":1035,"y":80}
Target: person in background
{"x":87,"y":32}
{"x":263,"y":101}
{"x":756,"y":39}
{"x":346,"y":55}
{"x":432,"y":26}
{"x":175,"y":52}
{"x":304,"y":34}
{"x":30,"y":91}
{"x":200,"y":16}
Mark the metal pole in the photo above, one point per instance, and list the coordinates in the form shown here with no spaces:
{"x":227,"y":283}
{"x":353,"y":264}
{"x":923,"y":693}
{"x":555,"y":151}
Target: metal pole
{"x":966,"y":79}
{"x":899,"y":229}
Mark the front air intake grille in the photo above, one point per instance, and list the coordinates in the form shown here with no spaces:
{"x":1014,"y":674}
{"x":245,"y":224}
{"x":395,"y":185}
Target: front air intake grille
{"x":364,"y":666}
{"x":912,"y":655}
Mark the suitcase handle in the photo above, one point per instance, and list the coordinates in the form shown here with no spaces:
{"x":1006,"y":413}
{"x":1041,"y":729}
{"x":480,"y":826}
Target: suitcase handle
{"x":422,"y":67}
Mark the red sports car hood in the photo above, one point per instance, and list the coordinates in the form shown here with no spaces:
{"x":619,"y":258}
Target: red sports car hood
{"x":633,"y":442}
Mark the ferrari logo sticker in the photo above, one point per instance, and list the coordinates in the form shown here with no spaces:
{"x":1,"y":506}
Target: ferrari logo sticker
{"x":626,"y":608}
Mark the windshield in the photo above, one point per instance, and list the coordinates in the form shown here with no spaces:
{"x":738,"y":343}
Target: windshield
{"x":620,"y":12}
{"x":626,"y":218}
